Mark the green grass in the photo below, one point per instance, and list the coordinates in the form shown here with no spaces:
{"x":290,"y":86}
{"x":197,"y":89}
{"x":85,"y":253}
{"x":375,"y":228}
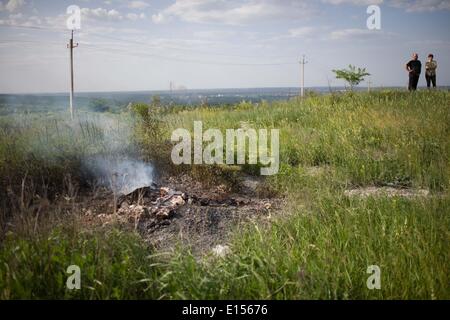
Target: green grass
{"x":113,"y":265}
{"x":319,"y":247}
{"x":380,"y":138}
{"x":325,"y":255}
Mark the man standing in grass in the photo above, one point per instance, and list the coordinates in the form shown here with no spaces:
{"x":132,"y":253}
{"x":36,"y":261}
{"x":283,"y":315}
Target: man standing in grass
{"x":414,"y":67}
{"x":430,"y":71}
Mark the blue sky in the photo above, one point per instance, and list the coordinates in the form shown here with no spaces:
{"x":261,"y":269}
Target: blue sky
{"x":145,"y":44}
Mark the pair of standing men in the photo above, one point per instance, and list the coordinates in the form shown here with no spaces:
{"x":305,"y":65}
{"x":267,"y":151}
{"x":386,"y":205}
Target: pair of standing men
{"x":414,"y":68}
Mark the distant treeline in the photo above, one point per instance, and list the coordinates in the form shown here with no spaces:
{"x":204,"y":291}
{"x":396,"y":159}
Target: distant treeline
{"x":116,"y":102}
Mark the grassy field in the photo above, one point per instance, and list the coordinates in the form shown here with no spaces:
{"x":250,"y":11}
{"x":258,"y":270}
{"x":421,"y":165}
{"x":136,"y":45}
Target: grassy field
{"x":318,"y":247}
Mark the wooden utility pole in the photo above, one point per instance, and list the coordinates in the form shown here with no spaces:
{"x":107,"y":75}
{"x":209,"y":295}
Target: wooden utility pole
{"x":369,"y":85}
{"x":302,"y":64}
{"x":71,"y":46}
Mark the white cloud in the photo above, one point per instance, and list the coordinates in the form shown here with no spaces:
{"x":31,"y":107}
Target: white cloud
{"x":408,"y":5}
{"x":12,"y":5}
{"x":109,"y":15}
{"x":16,"y":16}
{"x":158,"y":18}
{"x":354,"y":2}
{"x":234,"y":12}
{"x":358,"y":34}
{"x":138,"y":5}
{"x":421,"y":5}
{"x":35,"y":20}
{"x":18,"y":19}
{"x":102,"y":14}
{"x":134,"y":16}
{"x":302,"y":32}
{"x":214,"y":34}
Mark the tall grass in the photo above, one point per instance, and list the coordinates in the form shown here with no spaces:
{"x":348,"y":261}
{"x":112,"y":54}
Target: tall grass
{"x":324,"y":254}
{"x":378,"y":138}
{"x":322,"y":242}
{"x":113,"y":263}
{"x":44,"y":150}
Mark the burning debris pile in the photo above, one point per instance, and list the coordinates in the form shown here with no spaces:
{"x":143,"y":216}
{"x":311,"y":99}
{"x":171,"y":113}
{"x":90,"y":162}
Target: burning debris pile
{"x":160,"y":203}
{"x":182,"y":209}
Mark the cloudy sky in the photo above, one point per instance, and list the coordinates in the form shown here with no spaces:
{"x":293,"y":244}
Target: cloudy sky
{"x":145,"y":44}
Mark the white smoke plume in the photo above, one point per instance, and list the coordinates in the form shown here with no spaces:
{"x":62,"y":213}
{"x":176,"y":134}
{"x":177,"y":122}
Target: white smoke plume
{"x":117,"y":164}
{"x":122,"y":175}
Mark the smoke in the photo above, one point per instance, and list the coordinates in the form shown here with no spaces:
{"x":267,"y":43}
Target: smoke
{"x":116,"y":165}
{"x":95,"y":148}
{"x":122,"y":175}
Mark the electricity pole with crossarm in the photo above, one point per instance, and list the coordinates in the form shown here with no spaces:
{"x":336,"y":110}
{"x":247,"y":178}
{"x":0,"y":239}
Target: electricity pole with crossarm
{"x":71,"y":46}
{"x":302,"y":63}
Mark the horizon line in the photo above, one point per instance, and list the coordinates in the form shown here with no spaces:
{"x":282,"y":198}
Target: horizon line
{"x":200,"y":89}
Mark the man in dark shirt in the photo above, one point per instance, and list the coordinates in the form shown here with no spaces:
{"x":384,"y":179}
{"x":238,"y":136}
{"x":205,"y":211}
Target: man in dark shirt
{"x":414,"y":68}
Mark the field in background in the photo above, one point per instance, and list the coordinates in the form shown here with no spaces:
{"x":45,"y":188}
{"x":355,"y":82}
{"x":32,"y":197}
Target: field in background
{"x":320,"y":245}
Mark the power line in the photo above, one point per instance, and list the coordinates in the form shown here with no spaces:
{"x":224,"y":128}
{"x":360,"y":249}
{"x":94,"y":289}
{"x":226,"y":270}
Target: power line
{"x":179,"y":48}
{"x":98,"y":47}
{"x":32,"y":27}
{"x":16,"y":41}
{"x":167,"y":57}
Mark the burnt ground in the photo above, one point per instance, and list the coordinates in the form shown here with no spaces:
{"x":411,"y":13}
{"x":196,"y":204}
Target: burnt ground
{"x":180,"y":210}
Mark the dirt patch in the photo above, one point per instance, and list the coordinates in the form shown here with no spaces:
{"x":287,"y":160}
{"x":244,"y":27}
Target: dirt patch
{"x":387,"y":192}
{"x":317,"y":171}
